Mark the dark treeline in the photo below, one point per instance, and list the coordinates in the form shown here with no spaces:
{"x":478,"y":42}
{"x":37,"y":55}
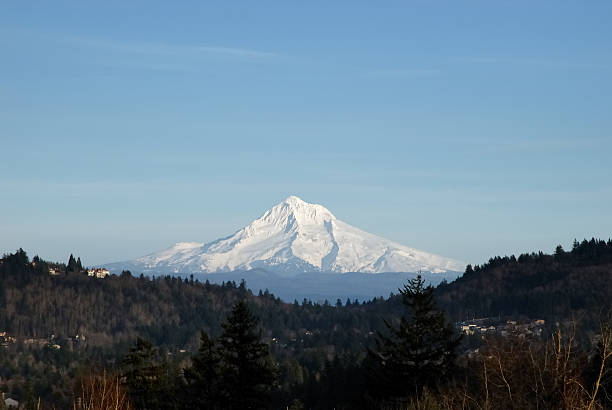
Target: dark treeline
{"x":95,"y":321}
{"x":236,"y":370}
{"x":575,"y":283}
{"x":413,"y":365}
{"x":347,"y":354}
{"x":166,"y":310}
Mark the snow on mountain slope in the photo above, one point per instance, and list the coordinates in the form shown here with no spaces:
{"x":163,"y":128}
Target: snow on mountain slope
{"x":293,"y":236}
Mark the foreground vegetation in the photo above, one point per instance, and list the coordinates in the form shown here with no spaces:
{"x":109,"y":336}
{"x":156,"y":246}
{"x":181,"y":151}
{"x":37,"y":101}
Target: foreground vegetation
{"x":171,"y":343}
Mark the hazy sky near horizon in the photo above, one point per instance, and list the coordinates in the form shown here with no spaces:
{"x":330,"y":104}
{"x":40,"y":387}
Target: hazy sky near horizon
{"x":467,"y":129}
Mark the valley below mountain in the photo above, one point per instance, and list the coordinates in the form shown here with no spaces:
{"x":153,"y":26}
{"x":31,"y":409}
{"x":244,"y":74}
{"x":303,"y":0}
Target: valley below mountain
{"x":322,"y":286}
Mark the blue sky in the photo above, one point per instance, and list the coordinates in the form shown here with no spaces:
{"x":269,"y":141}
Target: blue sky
{"x":468,"y":129}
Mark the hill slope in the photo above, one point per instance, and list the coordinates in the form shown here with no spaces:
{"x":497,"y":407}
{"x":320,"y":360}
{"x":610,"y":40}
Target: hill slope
{"x":577,"y":284}
{"x":168,"y":310}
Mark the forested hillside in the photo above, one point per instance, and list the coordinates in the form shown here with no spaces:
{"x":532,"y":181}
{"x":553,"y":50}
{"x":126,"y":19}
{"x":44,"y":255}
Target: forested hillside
{"x":171,"y":311}
{"x":56,"y":327}
{"x":167,"y":310}
{"x":575,"y":283}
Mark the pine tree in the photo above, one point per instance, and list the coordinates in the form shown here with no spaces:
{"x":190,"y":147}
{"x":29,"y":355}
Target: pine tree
{"x":71,"y":267}
{"x":559,"y":253}
{"x":468,"y":270}
{"x":203,"y":388}
{"x":419,"y":353}
{"x":143,"y":375}
{"x":74,"y":265}
{"x":247,"y":373}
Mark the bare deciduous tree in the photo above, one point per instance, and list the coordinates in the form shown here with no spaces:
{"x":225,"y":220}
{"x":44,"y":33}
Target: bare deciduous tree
{"x":101,"y":392}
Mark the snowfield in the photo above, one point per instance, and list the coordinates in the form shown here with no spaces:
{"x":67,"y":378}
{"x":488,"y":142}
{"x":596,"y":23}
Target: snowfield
{"x":293,"y":237}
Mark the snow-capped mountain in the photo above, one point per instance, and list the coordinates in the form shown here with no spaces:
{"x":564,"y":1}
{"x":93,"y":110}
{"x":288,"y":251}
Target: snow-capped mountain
{"x":293,"y":237}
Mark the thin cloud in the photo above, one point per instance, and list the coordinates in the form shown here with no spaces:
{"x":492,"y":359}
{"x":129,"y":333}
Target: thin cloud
{"x":530,"y":144}
{"x":528,"y":196}
{"x":169,"y":49}
{"x":148,"y":66}
{"x":403,"y":73}
{"x":529,"y":61}
{"x":239,"y":52}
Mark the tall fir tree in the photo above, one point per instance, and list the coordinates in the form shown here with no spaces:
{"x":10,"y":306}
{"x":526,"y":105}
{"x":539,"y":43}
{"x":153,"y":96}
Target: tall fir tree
{"x":247,"y":372}
{"x":149,"y":380}
{"x":202,"y":378}
{"x":418,"y":354}
{"x":72,"y":265}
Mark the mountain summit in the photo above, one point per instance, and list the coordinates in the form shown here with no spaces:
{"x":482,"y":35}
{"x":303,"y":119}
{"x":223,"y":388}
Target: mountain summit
{"x":294,"y":236}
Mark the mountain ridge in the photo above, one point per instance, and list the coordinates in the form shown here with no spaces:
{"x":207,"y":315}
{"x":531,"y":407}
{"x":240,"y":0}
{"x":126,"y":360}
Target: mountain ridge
{"x":293,"y":236}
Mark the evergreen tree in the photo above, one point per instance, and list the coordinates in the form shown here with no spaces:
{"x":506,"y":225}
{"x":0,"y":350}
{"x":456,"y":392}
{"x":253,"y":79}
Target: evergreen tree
{"x":143,"y":376}
{"x":419,"y":353}
{"x":203,"y":388}
{"x":19,"y":258}
{"x":247,"y":373}
{"x":468,"y":270}
{"x":72,"y":265}
{"x":560,"y":253}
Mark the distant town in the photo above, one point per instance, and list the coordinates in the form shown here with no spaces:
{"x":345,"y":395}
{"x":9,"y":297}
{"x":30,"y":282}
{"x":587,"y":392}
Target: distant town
{"x":487,"y":326}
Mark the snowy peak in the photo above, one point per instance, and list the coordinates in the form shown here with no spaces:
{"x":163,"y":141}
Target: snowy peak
{"x":295,"y":236}
{"x":289,"y":230}
{"x":293,"y":213}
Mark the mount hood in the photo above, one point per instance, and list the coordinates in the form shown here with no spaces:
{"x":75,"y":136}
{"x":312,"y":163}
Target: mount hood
{"x":292,"y":237}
